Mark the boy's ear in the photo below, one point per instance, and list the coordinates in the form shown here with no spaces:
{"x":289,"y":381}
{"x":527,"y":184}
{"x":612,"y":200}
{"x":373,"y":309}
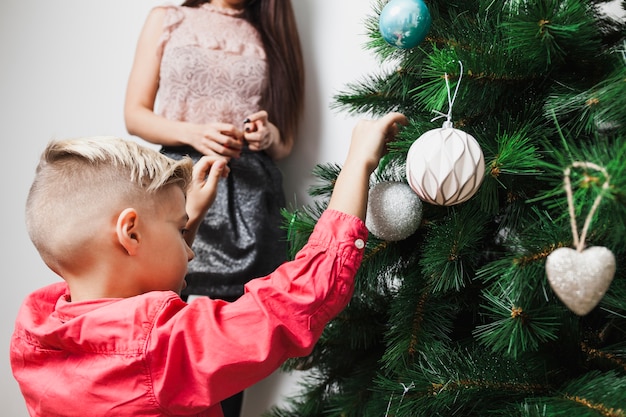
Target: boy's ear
{"x":127,"y":230}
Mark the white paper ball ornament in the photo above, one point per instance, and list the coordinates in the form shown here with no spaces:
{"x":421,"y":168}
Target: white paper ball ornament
{"x":445,"y":166}
{"x":394,"y":211}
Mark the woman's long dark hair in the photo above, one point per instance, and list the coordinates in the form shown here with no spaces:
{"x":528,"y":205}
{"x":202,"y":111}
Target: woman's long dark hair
{"x":276,"y":23}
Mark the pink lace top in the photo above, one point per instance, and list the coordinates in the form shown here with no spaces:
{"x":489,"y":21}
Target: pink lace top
{"x":213,"y":66}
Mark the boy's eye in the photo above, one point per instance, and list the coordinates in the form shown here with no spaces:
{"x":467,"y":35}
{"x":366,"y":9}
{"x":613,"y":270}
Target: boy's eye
{"x":184,"y":231}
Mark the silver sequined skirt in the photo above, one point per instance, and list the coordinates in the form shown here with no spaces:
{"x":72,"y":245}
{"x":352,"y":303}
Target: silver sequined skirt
{"x":242,"y":236}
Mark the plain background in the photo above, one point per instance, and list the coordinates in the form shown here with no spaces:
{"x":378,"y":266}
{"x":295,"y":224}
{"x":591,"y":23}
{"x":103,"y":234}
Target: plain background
{"x":63,"y":72}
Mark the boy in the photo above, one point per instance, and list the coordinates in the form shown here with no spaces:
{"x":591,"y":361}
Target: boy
{"x":115,"y":339}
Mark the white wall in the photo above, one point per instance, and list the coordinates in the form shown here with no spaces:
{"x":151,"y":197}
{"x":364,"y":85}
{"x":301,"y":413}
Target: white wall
{"x":63,"y":70}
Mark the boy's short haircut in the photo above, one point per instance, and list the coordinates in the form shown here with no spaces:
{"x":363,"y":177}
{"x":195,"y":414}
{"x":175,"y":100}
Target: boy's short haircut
{"x":75,"y":176}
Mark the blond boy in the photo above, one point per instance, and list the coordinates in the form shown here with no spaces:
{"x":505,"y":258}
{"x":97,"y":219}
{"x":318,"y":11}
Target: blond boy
{"x":116,"y":221}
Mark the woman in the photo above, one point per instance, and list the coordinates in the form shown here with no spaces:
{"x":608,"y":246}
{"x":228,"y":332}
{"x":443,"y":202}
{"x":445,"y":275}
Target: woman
{"x":224,"y":77}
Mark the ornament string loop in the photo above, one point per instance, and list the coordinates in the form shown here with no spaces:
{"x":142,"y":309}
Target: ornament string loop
{"x":451,"y":99}
{"x":579,"y":242}
{"x":406,"y":388}
{"x":389,"y":405}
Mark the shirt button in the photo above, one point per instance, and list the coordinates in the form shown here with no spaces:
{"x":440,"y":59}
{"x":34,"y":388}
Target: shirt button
{"x":359,"y":243}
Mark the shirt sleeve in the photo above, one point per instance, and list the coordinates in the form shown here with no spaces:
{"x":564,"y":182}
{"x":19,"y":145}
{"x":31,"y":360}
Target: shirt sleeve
{"x":210,"y":349}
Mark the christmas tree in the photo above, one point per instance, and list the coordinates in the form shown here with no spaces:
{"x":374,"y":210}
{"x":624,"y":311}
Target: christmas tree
{"x":501,"y":290}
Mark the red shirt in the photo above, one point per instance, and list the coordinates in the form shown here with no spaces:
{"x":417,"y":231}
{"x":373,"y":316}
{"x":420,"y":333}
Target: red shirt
{"x":155,"y":355}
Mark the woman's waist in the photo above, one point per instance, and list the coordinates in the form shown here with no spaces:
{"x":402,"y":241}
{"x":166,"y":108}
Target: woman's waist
{"x":178,"y":152}
{"x":247,"y":160}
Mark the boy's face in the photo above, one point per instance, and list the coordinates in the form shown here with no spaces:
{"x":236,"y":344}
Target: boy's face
{"x":164,"y":251}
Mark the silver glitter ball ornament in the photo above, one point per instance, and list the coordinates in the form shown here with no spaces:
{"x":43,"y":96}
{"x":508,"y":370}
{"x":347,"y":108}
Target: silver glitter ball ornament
{"x":394,"y":211}
{"x":580,"y":279}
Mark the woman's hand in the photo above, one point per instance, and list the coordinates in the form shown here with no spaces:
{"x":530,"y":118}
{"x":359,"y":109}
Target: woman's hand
{"x":217,"y":139}
{"x":259,"y":132}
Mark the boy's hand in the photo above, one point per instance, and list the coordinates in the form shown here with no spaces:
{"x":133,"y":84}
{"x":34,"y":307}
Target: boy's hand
{"x":368,"y":145}
{"x":370,"y":138}
{"x":203,"y":189}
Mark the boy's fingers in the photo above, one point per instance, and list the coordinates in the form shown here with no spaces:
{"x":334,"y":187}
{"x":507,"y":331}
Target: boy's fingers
{"x":212,"y":167}
{"x":396,"y":117}
{"x":219,"y":169}
{"x":201,"y":168}
{"x":391,"y":120}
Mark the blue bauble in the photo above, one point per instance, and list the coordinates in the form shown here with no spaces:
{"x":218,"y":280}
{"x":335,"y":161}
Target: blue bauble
{"x":404,"y":23}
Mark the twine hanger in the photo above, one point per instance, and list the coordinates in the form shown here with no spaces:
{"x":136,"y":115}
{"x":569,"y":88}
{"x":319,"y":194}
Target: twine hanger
{"x":579,"y":242}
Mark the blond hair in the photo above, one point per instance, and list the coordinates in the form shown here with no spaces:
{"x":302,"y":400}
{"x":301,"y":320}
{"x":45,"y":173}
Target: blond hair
{"x":77,"y":178}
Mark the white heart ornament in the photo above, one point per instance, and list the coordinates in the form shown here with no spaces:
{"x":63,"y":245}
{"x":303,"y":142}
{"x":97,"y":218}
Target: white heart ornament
{"x":580,"y":279}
